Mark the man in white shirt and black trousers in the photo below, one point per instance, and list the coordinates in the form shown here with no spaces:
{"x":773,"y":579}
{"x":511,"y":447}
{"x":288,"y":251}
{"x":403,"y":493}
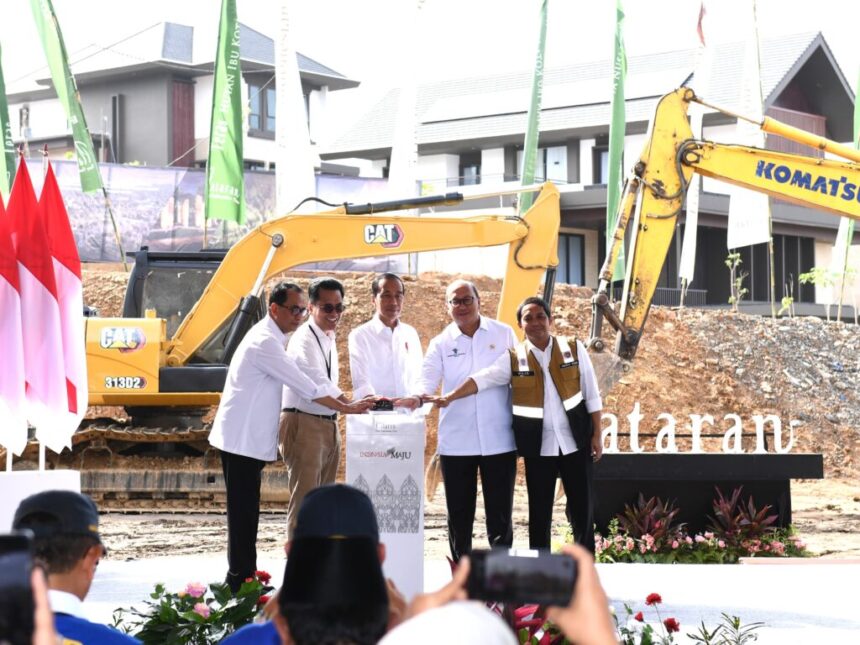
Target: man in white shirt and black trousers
{"x":556,"y":416}
{"x":245,"y":429}
{"x":309,"y":438}
{"x":385,"y":353}
{"x":475,"y":433}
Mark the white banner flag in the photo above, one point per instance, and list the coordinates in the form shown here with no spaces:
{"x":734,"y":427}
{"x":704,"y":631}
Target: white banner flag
{"x":294,"y":164}
{"x":701,"y":85}
{"x":749,"y":212}
{"x":385,"y":459}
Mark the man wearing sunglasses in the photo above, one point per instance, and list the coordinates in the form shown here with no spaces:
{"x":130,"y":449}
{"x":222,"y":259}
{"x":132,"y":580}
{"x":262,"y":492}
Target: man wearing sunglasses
{"x":245,"y":429}
{"x":309,"y":438}
{"x":474,"y":434}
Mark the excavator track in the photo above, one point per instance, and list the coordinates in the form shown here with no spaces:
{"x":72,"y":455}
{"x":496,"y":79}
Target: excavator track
{"x":142,"y":469}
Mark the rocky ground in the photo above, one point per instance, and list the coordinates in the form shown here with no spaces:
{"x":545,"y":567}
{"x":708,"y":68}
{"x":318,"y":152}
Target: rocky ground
{"x":690,"y":362}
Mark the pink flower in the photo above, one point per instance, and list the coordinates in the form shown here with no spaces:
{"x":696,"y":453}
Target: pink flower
{"x":202,"y":609}
{"x":675,"y":544}
{"x":778,"y":547}
{"x":643,"y":547}
{"x":649,"y":539}
{"x":700,"y":539}
{"x":709,"y":535}
{"x":688,"y":540}
{"x":195,"y":589}
{"x":629,"y":544}
{"x":653,"y":599}
{"x":721,"y":544}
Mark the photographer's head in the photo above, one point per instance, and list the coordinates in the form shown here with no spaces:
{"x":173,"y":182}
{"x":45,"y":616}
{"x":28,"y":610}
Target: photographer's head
{"x":66,"y":538}
{"x":326,"y":296}
{"x":388,"y":294}
{"x":334,"y":590}
{"x":288,"y":306}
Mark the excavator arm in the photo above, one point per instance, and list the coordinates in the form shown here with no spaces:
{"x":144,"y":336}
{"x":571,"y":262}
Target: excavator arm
{"x":658,"y":184}
{"x":289,"y":241}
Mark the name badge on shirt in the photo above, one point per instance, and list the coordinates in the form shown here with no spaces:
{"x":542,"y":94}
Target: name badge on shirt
{"x":571,"y":364}
{"x":525,"y":373}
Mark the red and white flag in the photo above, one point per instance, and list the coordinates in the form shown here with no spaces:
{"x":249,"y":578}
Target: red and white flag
{"x":13,"y":420}
{"x":44,"y":367}
{"x":67,"y":275}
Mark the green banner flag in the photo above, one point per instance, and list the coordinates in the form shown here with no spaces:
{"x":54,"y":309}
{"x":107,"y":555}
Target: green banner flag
{"x":225,"y":185}
{"x":617,"y":127}
{"x":530,"y":146}
{"x":7,"y":158}
{"x":67,"y":91}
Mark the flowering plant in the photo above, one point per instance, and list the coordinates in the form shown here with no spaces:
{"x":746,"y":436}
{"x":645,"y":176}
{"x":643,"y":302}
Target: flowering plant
{"x":198,"y":614}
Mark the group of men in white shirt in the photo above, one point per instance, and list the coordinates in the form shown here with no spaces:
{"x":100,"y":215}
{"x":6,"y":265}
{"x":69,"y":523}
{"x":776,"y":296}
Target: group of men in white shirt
{"x":476,"y":434}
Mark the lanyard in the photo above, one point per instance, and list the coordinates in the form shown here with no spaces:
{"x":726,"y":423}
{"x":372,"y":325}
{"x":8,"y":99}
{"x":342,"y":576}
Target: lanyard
{"x":326,"y":359}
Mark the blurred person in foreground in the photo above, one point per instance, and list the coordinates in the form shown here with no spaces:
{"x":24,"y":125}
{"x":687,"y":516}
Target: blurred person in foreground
{"x":334,"y":592}
{"x":67,"y":544}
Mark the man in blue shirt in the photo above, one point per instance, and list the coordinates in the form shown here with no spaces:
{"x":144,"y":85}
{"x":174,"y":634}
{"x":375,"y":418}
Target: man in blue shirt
{"x":65,"y":527}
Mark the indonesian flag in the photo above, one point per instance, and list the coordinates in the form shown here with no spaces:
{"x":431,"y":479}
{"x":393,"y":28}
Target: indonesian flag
{"x":46,"y":397}
{"x":13,"y":420}
{"x":67,"y":275}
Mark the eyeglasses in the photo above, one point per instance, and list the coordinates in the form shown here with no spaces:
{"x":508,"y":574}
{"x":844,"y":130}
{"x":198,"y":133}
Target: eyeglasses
{"x":294,"y":309}
{"x":466,"y":302}
{"x":330,"y":308}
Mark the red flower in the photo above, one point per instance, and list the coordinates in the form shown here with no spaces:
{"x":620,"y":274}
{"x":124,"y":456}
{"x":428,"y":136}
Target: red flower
{"x":653,"y":599}
{"x":249,"y":580}
{"x":262,"y":600}
{"x":672,"y":625}
{"x":263,"y":576}
{"x":639,"y":617}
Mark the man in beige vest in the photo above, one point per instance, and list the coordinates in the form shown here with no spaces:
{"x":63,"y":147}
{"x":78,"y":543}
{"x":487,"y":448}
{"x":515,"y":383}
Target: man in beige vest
{"x":556,"y":419}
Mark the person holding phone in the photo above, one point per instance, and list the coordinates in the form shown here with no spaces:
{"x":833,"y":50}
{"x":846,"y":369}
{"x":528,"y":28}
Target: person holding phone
{"x":308,"y":434}
{"x":385,"y":353}
{"x":556,"y":419}
{"x":66,"y":541}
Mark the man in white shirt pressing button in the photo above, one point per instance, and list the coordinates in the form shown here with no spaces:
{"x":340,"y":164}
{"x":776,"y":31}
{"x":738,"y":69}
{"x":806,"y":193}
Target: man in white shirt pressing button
{"x":475,"y":433}
{"x":245,"y":429}
{"x":309,"y":438}
{"x":385,"y":353}
{"x":556,"y":417}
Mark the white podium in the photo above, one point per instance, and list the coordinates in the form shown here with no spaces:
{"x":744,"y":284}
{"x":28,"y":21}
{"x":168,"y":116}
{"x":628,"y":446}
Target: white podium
{"x":385,"y":459}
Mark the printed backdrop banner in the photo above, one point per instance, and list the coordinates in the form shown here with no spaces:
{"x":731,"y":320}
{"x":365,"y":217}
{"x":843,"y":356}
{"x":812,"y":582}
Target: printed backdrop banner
{"x":385,"y":459}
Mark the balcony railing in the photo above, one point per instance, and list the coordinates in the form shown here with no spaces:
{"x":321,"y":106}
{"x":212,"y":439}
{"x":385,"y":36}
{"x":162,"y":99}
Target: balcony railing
{"x":669,"y":297}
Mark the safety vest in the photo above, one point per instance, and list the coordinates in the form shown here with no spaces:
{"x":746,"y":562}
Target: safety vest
{"x":527,"y":384}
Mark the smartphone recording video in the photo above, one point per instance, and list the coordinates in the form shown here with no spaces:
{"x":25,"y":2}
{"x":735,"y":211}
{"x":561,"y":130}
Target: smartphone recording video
{"x":16,"y":593}
{"x":522,"y":577}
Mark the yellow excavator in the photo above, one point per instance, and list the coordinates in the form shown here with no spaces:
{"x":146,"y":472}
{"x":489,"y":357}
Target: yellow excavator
{"x":184,"y":315}
{"x":658,"y":183}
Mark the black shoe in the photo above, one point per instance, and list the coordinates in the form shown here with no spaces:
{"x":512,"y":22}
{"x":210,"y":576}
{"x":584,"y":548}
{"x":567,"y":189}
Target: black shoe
{"x":234,"y":581}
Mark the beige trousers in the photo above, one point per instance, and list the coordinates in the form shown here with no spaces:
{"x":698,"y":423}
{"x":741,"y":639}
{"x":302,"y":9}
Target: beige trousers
{"x":310,"y":447}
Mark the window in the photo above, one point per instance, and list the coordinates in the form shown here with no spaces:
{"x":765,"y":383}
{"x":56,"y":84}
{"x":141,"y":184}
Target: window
{"x":571,"y":258}
{"x":601,"y":164}
{"x":470,"y":169}
{"x":261,"y":117}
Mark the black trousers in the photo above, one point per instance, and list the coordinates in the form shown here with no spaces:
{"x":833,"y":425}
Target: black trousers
{"x":243,"y":478}
{"x":576,"y":477}
{"x":460,"y":474}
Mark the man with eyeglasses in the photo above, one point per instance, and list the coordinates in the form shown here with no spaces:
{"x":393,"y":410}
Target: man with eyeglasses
{"x":385,"y":353}
{"x":475,"y":433}
{"x":245,"y":429}
{"x":309,"y":438}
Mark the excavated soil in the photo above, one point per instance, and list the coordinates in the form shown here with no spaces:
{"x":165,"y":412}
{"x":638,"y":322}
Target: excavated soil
{"x":689,"y":362}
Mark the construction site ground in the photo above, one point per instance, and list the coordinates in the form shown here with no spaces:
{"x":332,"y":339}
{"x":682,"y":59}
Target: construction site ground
{"x":689,"y":362}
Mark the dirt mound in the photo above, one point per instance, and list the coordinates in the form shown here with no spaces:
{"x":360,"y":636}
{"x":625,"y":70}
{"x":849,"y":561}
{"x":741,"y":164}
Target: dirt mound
{"x":691,"y":362}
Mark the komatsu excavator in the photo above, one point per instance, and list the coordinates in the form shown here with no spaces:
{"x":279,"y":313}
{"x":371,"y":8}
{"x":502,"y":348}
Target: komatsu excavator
{"x":658,"y":184}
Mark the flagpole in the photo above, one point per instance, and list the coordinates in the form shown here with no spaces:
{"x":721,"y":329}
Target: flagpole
{"x":115,"y":229}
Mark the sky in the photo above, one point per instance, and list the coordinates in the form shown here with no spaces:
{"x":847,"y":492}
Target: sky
{"x":375,"y":41}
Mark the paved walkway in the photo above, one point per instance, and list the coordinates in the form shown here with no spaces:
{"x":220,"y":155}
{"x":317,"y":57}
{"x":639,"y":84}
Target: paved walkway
{"x":808,"y":602}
